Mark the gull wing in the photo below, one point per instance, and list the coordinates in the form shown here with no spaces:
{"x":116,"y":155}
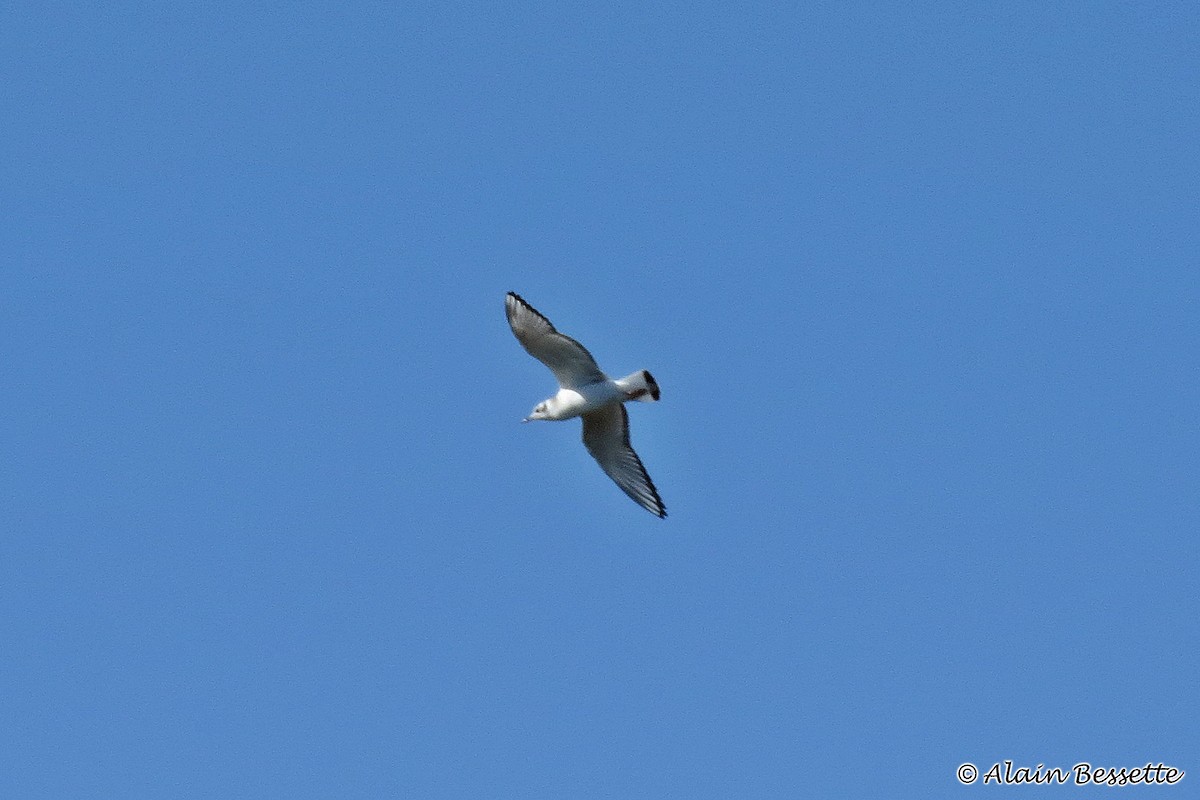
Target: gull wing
{"x":606,"y":437}
{"x":571,"y":363}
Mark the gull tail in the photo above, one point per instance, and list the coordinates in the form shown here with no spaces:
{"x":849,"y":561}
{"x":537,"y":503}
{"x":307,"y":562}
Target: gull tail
{"x":639,"y":386}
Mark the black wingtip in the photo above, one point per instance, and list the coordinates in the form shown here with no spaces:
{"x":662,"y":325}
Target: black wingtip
{"x":513,"y":301}
{"x":521,"y":301}
{"x":661,"y":510}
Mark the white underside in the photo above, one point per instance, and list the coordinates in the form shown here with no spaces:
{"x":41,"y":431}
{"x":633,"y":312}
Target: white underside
{"x":570,"y":403}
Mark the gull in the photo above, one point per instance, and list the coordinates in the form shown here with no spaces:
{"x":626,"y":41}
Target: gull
{"x":584,"y":391}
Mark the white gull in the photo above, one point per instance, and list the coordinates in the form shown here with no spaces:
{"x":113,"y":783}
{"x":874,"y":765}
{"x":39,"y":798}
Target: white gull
{"x":584,"y":391}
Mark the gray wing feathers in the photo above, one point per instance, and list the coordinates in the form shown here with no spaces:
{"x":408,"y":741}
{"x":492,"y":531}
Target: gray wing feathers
{"x":571,"y":363}
{"x":606,"y":437}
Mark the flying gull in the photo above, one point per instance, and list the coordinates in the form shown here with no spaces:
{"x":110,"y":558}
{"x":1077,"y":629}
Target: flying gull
{"x":584,"y":391}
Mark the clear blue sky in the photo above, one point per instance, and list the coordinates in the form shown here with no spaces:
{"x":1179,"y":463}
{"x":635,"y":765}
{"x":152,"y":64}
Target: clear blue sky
{"x":922,"y":291}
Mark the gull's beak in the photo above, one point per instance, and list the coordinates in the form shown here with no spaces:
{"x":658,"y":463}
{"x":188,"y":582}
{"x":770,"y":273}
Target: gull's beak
{"x":525,"y":420}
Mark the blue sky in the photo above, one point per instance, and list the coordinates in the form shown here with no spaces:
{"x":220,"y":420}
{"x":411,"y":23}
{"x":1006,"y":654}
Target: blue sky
{"x":920,"y":287}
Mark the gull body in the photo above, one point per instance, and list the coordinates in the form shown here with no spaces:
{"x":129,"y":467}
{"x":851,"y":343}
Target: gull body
{"x":568,"y":403}
{"x":585,"y":391}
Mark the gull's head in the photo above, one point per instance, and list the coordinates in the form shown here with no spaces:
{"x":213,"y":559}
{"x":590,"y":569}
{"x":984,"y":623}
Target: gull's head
{"x":540,"y":411}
